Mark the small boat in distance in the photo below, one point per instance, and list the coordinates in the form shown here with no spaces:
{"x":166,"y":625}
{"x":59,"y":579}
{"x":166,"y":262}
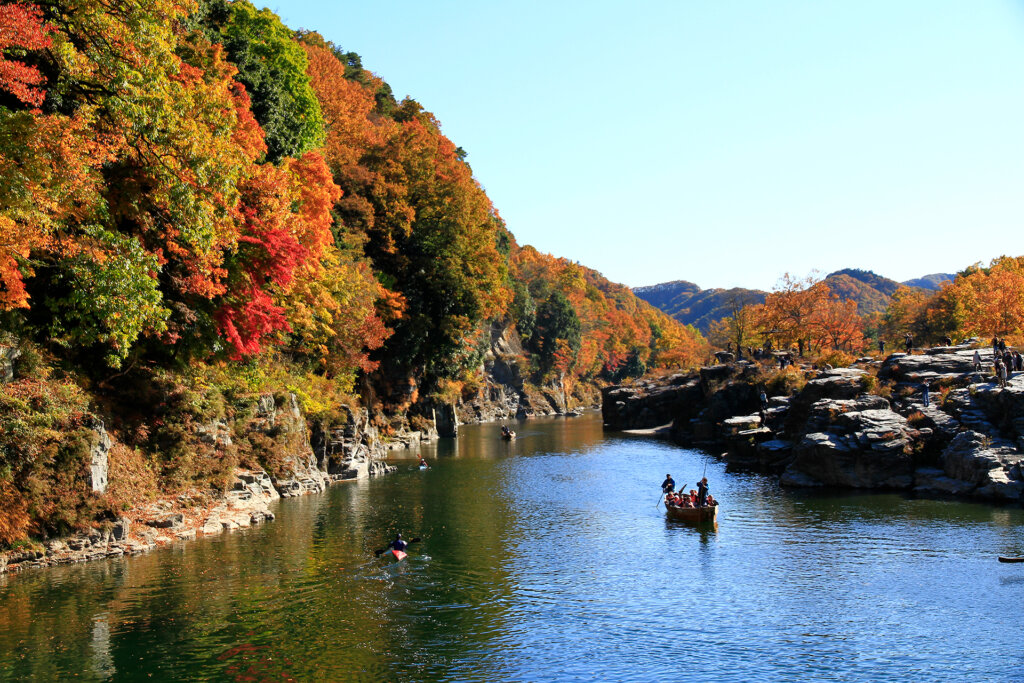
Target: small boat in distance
{"x":1010,"y":559}
{"x":507,"y":434}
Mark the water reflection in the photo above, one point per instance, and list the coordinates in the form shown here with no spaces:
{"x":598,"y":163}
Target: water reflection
{"x":533,"y":551}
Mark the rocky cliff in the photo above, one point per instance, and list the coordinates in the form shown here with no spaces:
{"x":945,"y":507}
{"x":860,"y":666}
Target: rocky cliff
{"x":311,"y":461}
{"x":860,"y":427}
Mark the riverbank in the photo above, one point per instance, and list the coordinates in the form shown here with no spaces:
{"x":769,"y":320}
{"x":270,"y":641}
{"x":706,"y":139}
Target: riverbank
{"x":862,"y":427}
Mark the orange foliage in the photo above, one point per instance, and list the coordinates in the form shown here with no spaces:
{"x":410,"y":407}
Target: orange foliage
{"x":21,"y":26}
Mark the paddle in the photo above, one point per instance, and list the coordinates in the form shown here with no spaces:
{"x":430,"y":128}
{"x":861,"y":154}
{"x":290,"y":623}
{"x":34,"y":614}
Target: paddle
{"x":380,"y":552}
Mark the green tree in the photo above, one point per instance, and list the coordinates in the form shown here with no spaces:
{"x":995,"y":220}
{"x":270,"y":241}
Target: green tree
{"x":272,"y":66}
{"x":556,"y":319}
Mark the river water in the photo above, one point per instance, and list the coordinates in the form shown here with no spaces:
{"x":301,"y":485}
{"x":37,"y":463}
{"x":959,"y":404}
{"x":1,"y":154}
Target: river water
{"x":546,"y":559}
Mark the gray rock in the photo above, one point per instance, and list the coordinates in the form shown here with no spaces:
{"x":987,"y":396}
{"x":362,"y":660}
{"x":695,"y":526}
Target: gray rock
{"x":8,"y":354}
{"x":173,"y":521}
{"x":860,"y":443}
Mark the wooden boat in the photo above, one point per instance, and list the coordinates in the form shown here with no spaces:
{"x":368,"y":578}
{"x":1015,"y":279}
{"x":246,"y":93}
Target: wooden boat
{"x":708,"y":513}
{"x":1011,"y":559}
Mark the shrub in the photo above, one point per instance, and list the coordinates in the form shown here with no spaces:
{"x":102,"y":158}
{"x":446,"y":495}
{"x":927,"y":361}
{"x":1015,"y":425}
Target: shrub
{"x":917,"y":419}
{"x":785,"y":382}
{"x":836,"y":358}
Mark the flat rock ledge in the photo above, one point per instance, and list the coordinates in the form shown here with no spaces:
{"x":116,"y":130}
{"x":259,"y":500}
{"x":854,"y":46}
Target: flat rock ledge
{"x":161,"y":523}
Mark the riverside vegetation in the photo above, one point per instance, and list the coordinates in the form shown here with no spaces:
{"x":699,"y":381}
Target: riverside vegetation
{"x":234,"y":266}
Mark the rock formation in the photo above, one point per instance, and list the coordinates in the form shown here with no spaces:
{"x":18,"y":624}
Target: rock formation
{"x":835,"y":432}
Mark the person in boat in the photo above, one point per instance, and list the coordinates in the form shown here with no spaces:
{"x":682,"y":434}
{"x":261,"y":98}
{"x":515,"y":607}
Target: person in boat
{"x":669,"y":485}
{"x":693,"y":497}
{"x":711,"y":501}
{"x":398,"y":543}
{"x":504,"y":430}
{"x":423,"y":463}
{"x":702,"y":492}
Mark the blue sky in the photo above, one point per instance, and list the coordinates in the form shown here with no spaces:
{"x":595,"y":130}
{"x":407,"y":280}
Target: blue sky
{"x":722,"y":142}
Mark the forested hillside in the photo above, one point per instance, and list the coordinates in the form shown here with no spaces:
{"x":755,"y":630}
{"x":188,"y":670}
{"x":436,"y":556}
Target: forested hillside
{"x":691,"y":305}
{"x":200,"y":204}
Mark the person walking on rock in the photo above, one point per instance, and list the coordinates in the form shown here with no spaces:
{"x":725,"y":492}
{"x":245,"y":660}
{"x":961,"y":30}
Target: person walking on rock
{"x":908,"y":340}
{"x":977,"y":361}
{"x":925,"y":394}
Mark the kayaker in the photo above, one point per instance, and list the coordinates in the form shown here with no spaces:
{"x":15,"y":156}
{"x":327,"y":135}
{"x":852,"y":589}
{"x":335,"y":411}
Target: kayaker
{"x":702,"y":492}
{"x":423,"y":463}
{"x":669,"y":485}
{"x":398,"y":543}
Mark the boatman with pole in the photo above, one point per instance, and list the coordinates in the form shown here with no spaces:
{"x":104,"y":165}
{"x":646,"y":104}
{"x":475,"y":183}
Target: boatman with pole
{"x":702,"y":492}
{"x":669,"y":485}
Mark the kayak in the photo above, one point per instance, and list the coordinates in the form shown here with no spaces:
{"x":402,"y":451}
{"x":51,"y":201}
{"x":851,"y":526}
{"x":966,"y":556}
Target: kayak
{"x":423,"y":467}
{"x":1011,"y":559}
{"x":398,"y":555}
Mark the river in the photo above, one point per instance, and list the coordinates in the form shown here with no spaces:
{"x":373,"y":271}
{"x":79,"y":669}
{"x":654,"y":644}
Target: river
{"x":545,"y":559}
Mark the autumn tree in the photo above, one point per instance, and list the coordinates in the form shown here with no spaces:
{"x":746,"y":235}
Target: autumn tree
{"x":788,"y":311}
{"x":983,"y":300}
{"x":837,"y":323}
{"x":908,"y":312}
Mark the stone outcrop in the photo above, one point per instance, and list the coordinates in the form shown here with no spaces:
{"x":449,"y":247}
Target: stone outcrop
{"x":951,"y":365}
{"x":506,"y":394}
{"x":858,"y":443}
{"x":8,"y":355}
{"x":833,"y":432}
{"x":99,"y":457}
{"x":310,"y":464}
{"x":157,"y":524}
{"x":646,"y":405}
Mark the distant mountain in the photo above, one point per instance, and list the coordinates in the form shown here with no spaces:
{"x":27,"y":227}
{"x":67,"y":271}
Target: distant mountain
{"x":932,"y":282}
{"x":691,"y":305}
{"x":871,"y":291}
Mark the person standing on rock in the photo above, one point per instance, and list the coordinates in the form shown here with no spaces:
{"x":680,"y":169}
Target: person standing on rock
{"x":925,"y":394}
{"x":1001,"y":372}
{"x":881,"y":346}
{"x":764,"y":399}
{"x":908,"y":340}
{"x":977,"y":361}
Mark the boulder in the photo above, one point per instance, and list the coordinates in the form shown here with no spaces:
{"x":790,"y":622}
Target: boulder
{"x":991,"y":467}
{"x":172,"y":521}
{"x":99,"y":456}
{"x":859,"y":443}
{"x":8,"y":354}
